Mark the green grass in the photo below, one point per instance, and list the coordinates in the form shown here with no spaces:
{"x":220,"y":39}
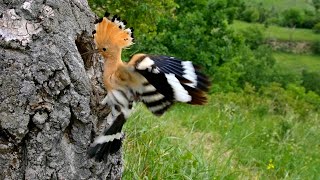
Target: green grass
{"x":233,"y":137}
{"x":297,"y":62}
{"x":281,"y":5}
{"x":279,"y":33}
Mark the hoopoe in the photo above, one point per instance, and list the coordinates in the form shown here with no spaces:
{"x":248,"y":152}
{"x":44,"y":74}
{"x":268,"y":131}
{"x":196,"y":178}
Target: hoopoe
{"x":157,"y":81}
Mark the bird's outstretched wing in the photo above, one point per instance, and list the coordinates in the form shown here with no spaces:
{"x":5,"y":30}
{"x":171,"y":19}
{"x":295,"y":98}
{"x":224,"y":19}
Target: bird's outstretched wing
{"x":168,"y":80}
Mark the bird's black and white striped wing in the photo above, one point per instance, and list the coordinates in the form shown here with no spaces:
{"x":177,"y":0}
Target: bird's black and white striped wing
{"x":170,"y":79}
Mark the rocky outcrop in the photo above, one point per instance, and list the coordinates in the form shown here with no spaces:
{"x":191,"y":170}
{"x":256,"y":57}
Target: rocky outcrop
{"x":296,"y":47}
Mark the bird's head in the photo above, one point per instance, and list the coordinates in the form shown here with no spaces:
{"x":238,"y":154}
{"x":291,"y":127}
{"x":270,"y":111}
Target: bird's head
{"x":110,"y":35}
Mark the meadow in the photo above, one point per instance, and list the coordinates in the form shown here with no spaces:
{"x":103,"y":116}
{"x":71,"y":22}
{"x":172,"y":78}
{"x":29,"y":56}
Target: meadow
{"x":233,"y":137}
{"x":279,"y":33}
{"x":296,"y":63}
{"x":281,"y":5}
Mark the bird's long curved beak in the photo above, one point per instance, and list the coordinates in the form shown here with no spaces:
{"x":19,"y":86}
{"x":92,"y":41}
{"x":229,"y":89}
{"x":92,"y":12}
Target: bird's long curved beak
{"x":90,"y":52}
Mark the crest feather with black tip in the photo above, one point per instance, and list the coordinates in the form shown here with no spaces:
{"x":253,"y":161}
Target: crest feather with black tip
{"x":112,"y":33}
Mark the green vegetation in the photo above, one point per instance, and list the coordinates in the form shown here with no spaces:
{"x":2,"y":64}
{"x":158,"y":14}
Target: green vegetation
{"x":287,"y":13}
{"x":316,"y":28}
{"x":262,"y":120}
{"x":280,"y":33}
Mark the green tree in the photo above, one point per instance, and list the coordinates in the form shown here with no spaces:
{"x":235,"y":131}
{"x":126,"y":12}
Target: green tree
{"x":199,"y":32}
{"x":292,"y":17}
{"x":316,"y":28}
{"x":311,"y":81}
{"x":251,"y":14}
{"x":258,"y":69}
{"x":253,"y":37}
{"x":143,"y":15}
{"x":316,"y":4}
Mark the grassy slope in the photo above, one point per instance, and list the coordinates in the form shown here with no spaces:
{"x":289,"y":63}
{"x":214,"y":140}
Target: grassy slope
{"x":281,"y":33}
{"x":281,"y":5}
{"x":232,"y":137}
{"x":298,"y":62}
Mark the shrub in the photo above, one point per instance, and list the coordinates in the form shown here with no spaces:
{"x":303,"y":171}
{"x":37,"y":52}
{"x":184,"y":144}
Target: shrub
{"x":308,"y":22}
{"x":316,"y":28}
{"x":258,"y":70}
{"x":253,"y":37}
{"x":316,"y":4}
{"x":273,"y":21}
{"x":292,"y":17}
{"x":292,"y":99}
{"x":316,"y":47}
{"x":309,"y":19}
{"x":285,"y":77}
{"x":310,"y":80}
{"x":251,"y":14}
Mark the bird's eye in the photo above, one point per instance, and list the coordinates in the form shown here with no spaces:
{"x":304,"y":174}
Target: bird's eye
{"x":104,"y":49}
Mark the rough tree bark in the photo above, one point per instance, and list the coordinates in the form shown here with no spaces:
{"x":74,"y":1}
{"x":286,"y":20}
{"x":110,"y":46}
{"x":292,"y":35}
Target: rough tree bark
{"x":49,"y":94}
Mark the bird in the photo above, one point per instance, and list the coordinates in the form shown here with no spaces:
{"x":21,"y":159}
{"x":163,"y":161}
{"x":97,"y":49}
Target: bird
{"x":157,"y":81}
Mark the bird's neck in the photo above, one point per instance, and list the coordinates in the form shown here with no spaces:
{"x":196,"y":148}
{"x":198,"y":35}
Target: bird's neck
{"x":112,"y":61}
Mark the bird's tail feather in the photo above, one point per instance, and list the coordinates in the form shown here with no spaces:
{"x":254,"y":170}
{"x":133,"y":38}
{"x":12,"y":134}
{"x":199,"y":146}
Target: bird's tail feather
{"x":109,"y":142}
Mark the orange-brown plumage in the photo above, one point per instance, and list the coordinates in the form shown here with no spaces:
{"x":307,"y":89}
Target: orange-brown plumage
{"x":110,"y":38}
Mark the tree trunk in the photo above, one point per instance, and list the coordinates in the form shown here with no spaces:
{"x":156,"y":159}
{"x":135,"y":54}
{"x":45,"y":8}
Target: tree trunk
{"x":49,"y":98}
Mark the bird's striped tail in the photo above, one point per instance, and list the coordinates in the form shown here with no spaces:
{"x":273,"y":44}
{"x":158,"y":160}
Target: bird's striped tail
{"x":110,"y":141}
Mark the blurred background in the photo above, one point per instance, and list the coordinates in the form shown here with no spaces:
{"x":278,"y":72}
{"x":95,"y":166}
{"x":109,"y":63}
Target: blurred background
{"x":262,"y":120}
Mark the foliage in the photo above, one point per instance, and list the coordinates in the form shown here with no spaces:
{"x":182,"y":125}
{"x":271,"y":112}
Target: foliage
{"x":292,"y":17}
{"x":254,"y":13}
{"x":316,"y":28}
{"x":316,"y":47}
{"x":143,"y":15}
{"x":310,"y":80}
{"x":299,"y":14}
{"x":284,"y":77}
{"x":251,"y":14}
{"x":316,"y":4}
{"x":309,"y":20}
{"x":253,"y":37}
{"x":199,"y":32}
{"x":259,"y":70}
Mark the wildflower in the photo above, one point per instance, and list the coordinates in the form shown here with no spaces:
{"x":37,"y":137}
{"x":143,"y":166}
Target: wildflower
{"x":270,"y":165}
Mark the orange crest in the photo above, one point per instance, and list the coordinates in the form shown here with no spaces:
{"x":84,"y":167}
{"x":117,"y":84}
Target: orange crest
{"x":112,"y":33}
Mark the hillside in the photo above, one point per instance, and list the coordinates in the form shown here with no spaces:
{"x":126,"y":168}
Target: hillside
{"x":279,"y":33}
{"x":296,"y":63}
{"x":280,"y":5}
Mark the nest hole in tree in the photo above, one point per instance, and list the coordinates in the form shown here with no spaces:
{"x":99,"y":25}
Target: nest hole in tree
{"x":85,"y":46}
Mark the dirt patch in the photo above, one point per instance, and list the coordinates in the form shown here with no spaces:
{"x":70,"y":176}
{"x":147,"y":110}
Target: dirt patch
{"x":296,"y":47}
